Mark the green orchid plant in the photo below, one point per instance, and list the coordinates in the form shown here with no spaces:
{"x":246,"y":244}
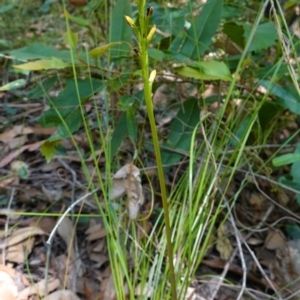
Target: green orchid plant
{"x":144,"y":36}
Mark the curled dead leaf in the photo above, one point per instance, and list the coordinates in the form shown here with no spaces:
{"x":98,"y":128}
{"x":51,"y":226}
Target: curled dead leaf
{"x":127,"y":181}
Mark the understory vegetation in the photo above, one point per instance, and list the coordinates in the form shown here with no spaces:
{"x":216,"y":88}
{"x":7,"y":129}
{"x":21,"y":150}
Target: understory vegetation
{"x":149,"y":149}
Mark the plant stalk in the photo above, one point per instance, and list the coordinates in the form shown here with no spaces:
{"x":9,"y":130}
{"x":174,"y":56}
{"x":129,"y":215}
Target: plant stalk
{"x":144,"y":60}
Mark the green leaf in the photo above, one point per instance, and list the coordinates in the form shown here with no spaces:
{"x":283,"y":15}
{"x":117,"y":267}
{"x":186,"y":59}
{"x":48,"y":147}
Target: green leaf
{"x":181,"y":131}
{"x":231,"y":11}
{"x":235,"y":32}
{"x":40,"y":51}
{"x":6,"y":8}
{"x":294,"y":185}
{"x":64,"y":112}
{"x":102,"y":49}
{"x":70,"y":38}
{"x":290,"y":3}
{"x":286,"y":159}
{"x":268,"y":111}
{"x":240,"y":132}
{"x":10,"y":110}
{"x":5,"y":43}
{"x":206,"y":70}
{"x":295,"y":169}
{"x":116,"y":83}
{"x":119,"y":31}
{"x":194,"y":42}
{"x":265,"y":36}
{"x":293,"y":230}
{"x":293,"y":158}
{"x":48,"y":150}
{"x":70,"y":125}
{"x":43,"y":64}
{"x":169,"y":20}
{"x":16,"y":84}
{"x":23,"y":173}
{"x":119,"y":134}
{"x":53,"y":118}
{"x":45,"y":8}
{"x":79,"y":21}
{"x":131,"y":123}
{"x":69,"y":98}
{"x":125,"y":102}
{"x":42,"y":88}
{"x":156,"y":54}
{"x":275,"y":71}
{"x":284,"y":98}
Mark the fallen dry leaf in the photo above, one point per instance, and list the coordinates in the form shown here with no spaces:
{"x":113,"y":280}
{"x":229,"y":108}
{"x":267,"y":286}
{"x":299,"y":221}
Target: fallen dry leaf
{"x":31,"y":147}
{"x":78,"y":2}
{"x":15,"y":131}
{"x":12,"y":213}
{"x":109,"y":290}
{"x":67,"y":271}
{"x":99,"y":258}
{"x":9,"y":181}
{"x":20,"y":235}
{"x":274,"y":240}
{"x":127,"y":181}
{"x":96,"y":232}
{"x":106,"y":273}
{"x":20,"y":280}
{"x":73,"y":265}
{"x":18,"y":130}
{"x":285,"y":269}
{"x":206,"y":290}
{"x":223,"y":244}
{"x":46,"y":223}
{"x":100,"y":246}
{"x":8,"y":288}
{"x":39,"y":288}
{"x":62,"y":295}
{"x":16,"y":142}
{"x":18,"y":253}
{"x":66,"y":231}
{"x":53,"y":194}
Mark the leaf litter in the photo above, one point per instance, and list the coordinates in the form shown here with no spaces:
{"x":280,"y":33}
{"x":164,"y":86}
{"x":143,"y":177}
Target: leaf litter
{"x":79,"y":255}
{"x":69,"y":274}
{"x":127,"y":181}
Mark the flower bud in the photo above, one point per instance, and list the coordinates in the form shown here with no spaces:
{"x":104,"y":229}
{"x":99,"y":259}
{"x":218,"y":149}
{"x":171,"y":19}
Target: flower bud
{"x":152,"y":76}
{"x":136,"y":51}
{"x":151,"y":33}
{"x":129,"y":21}
{"x":149,"y":11}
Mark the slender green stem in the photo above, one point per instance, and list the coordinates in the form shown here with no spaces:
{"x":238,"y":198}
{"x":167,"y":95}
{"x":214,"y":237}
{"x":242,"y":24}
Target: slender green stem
{"x":143,"y":48}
